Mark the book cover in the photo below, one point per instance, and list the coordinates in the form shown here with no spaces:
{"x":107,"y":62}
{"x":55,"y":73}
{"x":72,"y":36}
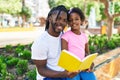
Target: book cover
{"x":71,"y":62}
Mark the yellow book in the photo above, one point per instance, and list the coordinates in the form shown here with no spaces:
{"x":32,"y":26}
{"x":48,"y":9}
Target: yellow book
{"x":71,"y":62}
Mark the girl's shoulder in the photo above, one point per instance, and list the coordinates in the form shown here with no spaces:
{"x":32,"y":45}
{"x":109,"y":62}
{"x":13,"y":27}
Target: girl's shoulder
{"x":84,"y":35}
{"x":67,"y":32}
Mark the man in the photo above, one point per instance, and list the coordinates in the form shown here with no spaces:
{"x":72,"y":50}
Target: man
{"x":46,"y":49}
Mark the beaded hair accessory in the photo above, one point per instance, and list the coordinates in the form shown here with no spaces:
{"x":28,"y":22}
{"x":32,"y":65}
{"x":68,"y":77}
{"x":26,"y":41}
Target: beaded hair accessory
{"x":70,"y":10}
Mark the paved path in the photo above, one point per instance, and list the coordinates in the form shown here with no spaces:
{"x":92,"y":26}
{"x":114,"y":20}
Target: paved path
{"x":15,"y":38}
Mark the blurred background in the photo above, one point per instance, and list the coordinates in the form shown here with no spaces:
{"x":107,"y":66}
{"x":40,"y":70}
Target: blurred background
{"x":29,"y":13}
{"x":21,"y":21}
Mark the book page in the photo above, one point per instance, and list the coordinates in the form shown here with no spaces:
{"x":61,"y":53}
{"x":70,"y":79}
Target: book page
{"x":69,"y":62}
{"x":87,"y":61}
{"x":72,"y":55}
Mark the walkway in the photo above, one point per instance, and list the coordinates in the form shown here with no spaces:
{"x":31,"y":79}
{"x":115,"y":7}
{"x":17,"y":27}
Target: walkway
{"x":14,"y":38}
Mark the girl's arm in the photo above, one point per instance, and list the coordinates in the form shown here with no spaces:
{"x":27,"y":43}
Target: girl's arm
{"x":64,"y":44}
{"x":87,"y":51}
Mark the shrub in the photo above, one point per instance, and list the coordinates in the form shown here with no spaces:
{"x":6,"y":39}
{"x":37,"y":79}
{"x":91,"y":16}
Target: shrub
{"x":22,"y":67}
{"x":31,"y":75}
{"x":22,"y":47}
{"x":12,"y":62}
{"x":111,"y":44}
{"x":92,"y":49}
{"x":9,"y":57}
{"x":2,"y":58}
{"x":3,"y":71}
{"x":102,"y":44}
{"x":8,"y":48}
{"x":10,"y":77}
{"x":18,"y":51}
{"x":26,"y":54}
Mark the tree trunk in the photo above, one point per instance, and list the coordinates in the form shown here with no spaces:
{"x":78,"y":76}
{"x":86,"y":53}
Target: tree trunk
{"x":84,"y":7}
{"x":109,"y":18}
{"x":23,"y":16}
{"x":23,"y":20}
{"x":19,"y":24}
{"x":110,"y":24}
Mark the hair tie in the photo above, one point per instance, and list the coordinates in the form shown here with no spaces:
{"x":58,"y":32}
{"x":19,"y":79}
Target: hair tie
{"x":70,"y":10}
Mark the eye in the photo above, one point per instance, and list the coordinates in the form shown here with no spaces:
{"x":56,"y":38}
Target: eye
{"x":59,"y":18}
{"x":77,"y":19}
{"x":65,"y":20}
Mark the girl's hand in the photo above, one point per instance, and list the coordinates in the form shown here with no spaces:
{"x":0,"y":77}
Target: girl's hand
{"x":71,"y":74}
{"x":90,"y":69}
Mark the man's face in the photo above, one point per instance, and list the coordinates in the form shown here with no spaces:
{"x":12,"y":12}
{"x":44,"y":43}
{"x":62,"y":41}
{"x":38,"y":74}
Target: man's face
{"x":58,"y":21}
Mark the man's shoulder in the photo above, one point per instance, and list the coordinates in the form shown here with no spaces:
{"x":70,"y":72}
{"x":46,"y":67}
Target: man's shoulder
{"x":40,"y":41}
{"x":42,"y":35}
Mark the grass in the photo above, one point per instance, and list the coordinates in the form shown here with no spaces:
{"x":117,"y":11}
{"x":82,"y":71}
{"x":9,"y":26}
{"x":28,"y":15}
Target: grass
{"x":17,"y":29}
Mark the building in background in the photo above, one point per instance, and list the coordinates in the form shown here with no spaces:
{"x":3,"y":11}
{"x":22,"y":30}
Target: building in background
{"x":40,"y":9}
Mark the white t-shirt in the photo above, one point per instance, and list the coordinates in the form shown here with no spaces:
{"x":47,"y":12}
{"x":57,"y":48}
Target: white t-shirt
{"x":47,"y":47}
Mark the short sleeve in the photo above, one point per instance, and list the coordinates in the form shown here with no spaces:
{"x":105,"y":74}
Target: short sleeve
{"x":65,"y":36}
{"x":39,"y":51}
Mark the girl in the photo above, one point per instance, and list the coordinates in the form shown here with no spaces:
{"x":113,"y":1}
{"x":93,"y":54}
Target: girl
{"x":76,"y":42}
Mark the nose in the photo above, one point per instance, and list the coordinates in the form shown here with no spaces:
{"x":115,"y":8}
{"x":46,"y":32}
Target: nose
{"x":74,"y":21}
{"x":61,"y":21}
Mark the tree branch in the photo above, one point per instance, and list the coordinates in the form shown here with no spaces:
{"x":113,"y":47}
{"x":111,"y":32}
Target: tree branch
{"x":116,"y":15}
{"x":106,"y":11}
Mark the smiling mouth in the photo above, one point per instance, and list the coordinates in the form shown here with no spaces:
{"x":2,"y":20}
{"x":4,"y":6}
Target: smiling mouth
{"x":74,"y":25}
{"x":59,"y":27}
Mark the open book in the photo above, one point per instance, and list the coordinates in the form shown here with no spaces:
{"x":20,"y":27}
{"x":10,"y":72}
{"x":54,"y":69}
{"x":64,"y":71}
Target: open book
{"x":71,"y":62}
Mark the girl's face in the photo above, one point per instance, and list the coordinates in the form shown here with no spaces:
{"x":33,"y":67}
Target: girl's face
{"x":75,"y":21}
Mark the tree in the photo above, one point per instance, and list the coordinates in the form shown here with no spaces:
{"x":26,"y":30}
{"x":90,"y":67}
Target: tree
{"x":84,"y":5}
{"x":25,"y":13}
{"x":105,"y":9}
{"x":15,"y":8}
{"x":110,"y":15}
{"x":51,"y":3}
{"x":12,"y":7}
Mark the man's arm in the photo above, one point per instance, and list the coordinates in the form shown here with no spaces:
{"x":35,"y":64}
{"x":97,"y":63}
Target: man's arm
{"x":44,"y":71}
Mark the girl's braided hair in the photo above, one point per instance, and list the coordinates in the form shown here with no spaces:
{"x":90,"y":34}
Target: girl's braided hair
{"x":58,"y":8}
